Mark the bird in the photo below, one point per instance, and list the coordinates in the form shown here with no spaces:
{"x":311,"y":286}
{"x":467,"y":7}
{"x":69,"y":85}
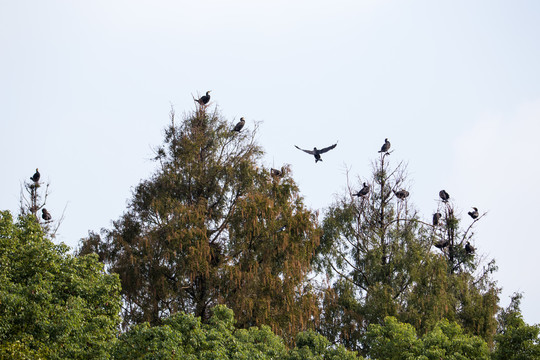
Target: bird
{"x":474,"y":214}
{"x":281,"y":229}
{"x":436,"y":218}
{"x":401,"y":194}
{"x":442,"y":244}
{"x":239,"y":125}
{"x":278,"y":173}
{"x":36,"y":176}
{"x":203,"y":100}
{"x":444,"y":195}
{"x":385,"y":147}
{"x":46,"y":215}
{"x":469,"y":249}
{"x":316,"y":152}
{"x":364,"y":191}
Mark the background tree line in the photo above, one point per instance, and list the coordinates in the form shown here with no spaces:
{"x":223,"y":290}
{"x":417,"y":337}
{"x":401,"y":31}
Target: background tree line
{"x":212,"y":226}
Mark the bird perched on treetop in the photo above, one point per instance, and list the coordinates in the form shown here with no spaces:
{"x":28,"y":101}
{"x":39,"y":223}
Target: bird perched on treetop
{"x":385,"y":147}
{"x":444,"y":195}
{"x":45,"y":215}
{"x":239,"y":125}
{"x":474,"y":214}
{"x":436,"y":218}
{"x":278,"y":173}
{"x":316,"y":152}
{"x":401,"y":194}
{"x":364,"y":191}
{"x":203,"y":100}
{"x":36,"y":176}
{"x":469,"y":249}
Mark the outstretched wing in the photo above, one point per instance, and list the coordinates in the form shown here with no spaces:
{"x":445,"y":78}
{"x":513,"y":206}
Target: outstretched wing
{"x":327,"y":148}
{"x":308,"y":151}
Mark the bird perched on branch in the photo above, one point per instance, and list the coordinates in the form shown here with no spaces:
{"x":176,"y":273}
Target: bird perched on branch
{"x":401,"y":194}
{"x":239,"y":125}
{"x":469,"y":249}
{"x":436,"y":218}
{"x":36,"y":176}
{"x":364,"y":191}
{"x":385,"y":147}
{"x":316,"y":152}
{"x":444,"y":195}
{"x":203,"y":100}
{"x":474,"y":214}
{"x":45,"y":215}
{"x":278,"y":173}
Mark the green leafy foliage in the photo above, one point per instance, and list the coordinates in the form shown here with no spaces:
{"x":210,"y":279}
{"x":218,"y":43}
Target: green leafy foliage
{"x":52,"y":305}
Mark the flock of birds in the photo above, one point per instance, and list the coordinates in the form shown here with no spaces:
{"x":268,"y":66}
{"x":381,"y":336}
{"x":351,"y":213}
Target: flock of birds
{"x":45,"y":215}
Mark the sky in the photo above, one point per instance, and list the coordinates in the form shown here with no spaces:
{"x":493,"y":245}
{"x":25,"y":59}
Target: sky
{"x":86,"y":88}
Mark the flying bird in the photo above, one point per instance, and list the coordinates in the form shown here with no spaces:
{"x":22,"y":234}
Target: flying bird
{"x":203,"y":100}
{"x":474,"y":214}
{"x":36,"y":176}
{"x":385,"y":147}
{"x":442,"y":244}
{"x":444,"y":195}
{"x":316,"y":152}
{"x":45,"y":215}
{"x":239,"y":125}
{"x":436,"y":218}
{"x":469,"y":249}
{"x":364,"y":191}
{"x":401,"y":194}
{"x":278,"y":173}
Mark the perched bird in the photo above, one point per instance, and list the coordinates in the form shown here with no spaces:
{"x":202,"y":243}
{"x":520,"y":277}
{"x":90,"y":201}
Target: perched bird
{"x":436,"y":218}
{"x":278,"y":173}
{"x":281,"y":229}
{"x":316,"y":152}
{"x":385,"y":147}
{"x":469,"y":249}
{"x":364,"y":191}
{"x":444,"y":195}
{"x":203,"y":100}
{"x":45,"y":215}
{"x":239,"y":125}
{"x":474,"y":214}
{"x":401,"y":194}
{"x":442,"y":244}
{"x":36,"y":176}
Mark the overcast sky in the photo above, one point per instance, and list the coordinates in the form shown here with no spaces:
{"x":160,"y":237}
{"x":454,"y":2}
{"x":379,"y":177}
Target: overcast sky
{"x":86,"y":88}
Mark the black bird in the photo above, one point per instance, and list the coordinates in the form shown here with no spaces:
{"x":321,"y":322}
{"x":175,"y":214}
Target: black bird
{"x":442,"y":244}
{"x":469,"y":249}
{"x":36,"y":176}
{"x":444,"y":195}
{"x":401,"y":194}
{"x":436,"y":218}
{"x":316,"y":152}
{"x":203,"y":100}
{"x":364,"y":191}
{"x":278,"y":173}
{"x":240,"y":125}
{"x":45,"y":215}
{"x":474,"y":214}
{"x":385,"y":147}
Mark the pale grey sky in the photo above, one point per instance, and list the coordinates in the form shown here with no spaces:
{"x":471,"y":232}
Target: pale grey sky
{"x":86,"y":88}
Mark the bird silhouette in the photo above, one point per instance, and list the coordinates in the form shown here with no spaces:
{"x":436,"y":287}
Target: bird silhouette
{"x":278,"y":173}
{"x":444,"y":195}
{"x":316,"y":152}
{"x":239,"y":125}
{"x":385,"y":147}
{"x":45,"y":215}
{"x":401,"y":194}
{"x":36,"y":176}
{"x":474,"y":214}
{"x":203,"y":100}
{"x":364,"y":191}
{"x":436,"y":218}
{"x":469,"y":249}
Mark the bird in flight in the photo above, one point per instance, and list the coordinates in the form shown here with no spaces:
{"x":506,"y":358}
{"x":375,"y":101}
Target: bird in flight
{"x":316,"y":152}
{"x":474,"y":214}
{"x":444,"y":195}
{"x":203,"y":100}
{"x":36,"y":176}
{"x":385,"y":147}
{"x":363,"y":191}
{"x":239,"y":125}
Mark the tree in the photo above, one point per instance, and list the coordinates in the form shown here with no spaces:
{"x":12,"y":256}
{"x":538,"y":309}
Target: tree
{"x":52,"y":305}
{"x":211,"y":226}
